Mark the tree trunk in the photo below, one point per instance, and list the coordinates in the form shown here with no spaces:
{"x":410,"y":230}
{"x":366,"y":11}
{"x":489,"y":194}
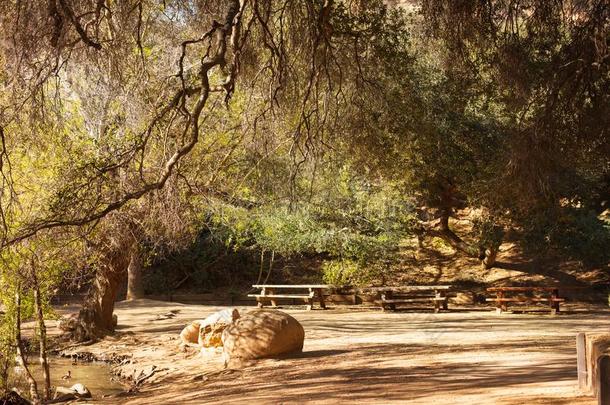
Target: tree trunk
{"x":107,"y":286}
{"x":490,"y":257}
{"x":486,"y":255}
{"x":135,"y":287}
{"x":20,"y":351}
{"x":450,"y":237}
{"x":44,"y":363}
{"x":97,"y":318}
{"x":449,"y":200}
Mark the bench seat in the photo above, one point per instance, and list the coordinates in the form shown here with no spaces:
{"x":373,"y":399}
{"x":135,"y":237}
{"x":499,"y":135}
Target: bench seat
{"x":558,"y":299}
{"x":401,"y":300}
{"x":526,"y":295}
{"x":307,"y":296}
{"x":390,"y":296}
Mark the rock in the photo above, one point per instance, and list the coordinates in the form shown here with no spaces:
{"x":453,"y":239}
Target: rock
{"x":13,"y":398}
{"x":211,"y":335}
{"x":210,"y":330}
{"x":262,"y":333}
{"x":68,"y":323}
{"x":77,"y":391}
{"x":191,"y":333}
{"x":81,"y":327}
{"x":81,"y":390}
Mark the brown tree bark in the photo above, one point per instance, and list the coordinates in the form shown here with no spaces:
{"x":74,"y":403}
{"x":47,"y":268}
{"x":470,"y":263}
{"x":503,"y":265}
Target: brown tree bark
{"x":42,"y":330}
{"x":135,"y":286}
{"x":107,"y":286}
{"x":20,"y":352}
{"x":96,"y":318}
{"x":490,"y":257}
{"x":450,"y":199}
{"x":486,"y":255}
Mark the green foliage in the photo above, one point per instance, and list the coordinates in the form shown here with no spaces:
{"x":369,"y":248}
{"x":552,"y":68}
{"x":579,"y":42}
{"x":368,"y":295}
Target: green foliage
{"x":489,"y":232}
{"x":355,"y":224}
{"x":346,"y":272}
{"x":575,"y":233}
{"x":7,"y":351}
{"x":340,"y":272}
{"x":7,"y":331}
{"x":326,"y":151}
{"x":302,"y":232}
{"x":580,"y":234}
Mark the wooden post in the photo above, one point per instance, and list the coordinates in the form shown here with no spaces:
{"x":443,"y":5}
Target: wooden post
{"x":554,"y":304}
{"x":310,"y":300}
{"x":581,"y":360}
{"x":320,"y":294}
{"x":437,"y":303}
{"x":499,"y":304}
{"x":391,"y":296}
{"x":603,"y":380}
{"x":273,"y":301}
{"x":260,"y":300}
{"x":383,"y":298}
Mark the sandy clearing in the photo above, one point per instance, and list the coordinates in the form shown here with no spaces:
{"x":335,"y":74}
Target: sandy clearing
{"x":366,"y":356}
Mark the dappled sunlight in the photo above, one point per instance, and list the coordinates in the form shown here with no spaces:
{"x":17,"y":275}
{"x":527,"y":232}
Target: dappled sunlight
{"x":371,"y":356}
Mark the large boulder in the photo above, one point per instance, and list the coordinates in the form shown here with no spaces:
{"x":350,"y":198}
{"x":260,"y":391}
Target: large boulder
{"x":207,"y":332}
{"x":13,"y":398}
{"x":262,"y":333}
{"x":75,"y":392}
{"x":190,"y":333}
{"x":210,"y":330}
{"x":211,"y":335}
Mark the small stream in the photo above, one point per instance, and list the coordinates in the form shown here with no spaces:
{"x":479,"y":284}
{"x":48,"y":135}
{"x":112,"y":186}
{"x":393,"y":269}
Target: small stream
{"x":96,"y":376}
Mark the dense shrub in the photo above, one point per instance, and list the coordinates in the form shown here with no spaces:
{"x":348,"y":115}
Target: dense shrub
{"x":580,"y":234}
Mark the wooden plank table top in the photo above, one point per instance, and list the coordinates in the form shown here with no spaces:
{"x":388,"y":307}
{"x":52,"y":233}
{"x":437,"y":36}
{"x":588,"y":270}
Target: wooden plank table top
{"x":533,"y":288}
{"x":407,"y":288}
{"x":521,"y":289}
{"x":293,"y":286}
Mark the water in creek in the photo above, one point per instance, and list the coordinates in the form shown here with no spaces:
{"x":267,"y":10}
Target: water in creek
{"x":96,"y":376}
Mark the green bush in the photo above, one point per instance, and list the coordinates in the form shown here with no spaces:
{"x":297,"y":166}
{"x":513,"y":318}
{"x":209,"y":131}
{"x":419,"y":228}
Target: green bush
{"x":348,"y":272}
{"x":6,"y":357}
{"x":583,"y":236}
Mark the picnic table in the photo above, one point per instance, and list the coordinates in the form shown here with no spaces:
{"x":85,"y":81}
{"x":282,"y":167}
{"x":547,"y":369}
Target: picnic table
{"x":506,"y":295}
{"x":269,"y":293}
{"x":389,"y":296}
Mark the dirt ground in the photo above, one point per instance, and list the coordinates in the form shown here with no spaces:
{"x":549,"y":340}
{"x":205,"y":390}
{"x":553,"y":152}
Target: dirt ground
{"x":467,"y":356}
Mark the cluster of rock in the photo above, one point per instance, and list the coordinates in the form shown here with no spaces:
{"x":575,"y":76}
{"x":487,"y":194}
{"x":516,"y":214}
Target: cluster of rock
{"x":208,"y":332}
{"x":13,"y":398}
{"x":80,"y":327}
{"x":75,"y":392}
{"x":62,"y":394}
{"x":260,"y":333}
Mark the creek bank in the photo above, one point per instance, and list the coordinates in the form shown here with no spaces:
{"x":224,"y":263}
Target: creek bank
{"x":126,"y":369}
{"x":72,"y":379}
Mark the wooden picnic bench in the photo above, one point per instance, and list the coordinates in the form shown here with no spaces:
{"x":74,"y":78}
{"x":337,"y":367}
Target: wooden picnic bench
{"x":506,"y":295}
{"x":269,"y":293}
{"x":389,"y":296}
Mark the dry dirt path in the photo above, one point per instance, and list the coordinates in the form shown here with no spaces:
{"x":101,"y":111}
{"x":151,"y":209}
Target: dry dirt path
{"x":355,"y":356}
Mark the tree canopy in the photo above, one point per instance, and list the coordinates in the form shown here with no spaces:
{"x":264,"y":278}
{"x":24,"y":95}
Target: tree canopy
{"x":131,"y":129}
